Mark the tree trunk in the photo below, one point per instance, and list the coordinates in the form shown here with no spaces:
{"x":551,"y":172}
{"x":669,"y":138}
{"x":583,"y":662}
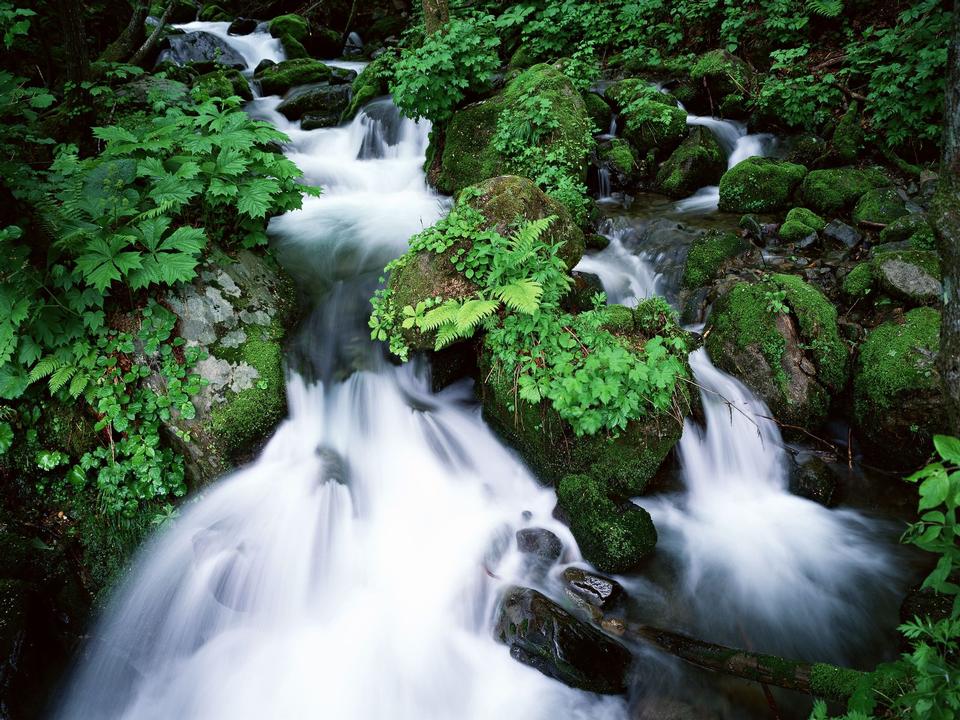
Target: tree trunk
{"x":945,"y":218}
{"x":74,"y":40}
{"x":131,"y":37}
{"x":436,"y":14}
{"x":822,"y":680}
{"x":140,"y":55}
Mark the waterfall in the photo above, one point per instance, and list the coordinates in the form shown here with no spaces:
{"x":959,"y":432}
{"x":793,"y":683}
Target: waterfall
{"x":349,"y":571}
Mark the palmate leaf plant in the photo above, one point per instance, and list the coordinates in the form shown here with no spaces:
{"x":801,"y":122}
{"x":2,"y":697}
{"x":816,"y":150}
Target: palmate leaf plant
{"x":928,"y":677}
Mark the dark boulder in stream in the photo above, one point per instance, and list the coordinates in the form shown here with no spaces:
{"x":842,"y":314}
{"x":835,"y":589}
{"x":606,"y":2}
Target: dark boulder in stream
{"x":200,"y":48}
{"x":317,"y":98}
{"x":543,"y":635}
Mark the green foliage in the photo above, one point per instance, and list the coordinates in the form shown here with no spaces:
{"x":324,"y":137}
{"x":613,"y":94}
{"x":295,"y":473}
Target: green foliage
{"x":925,"y":678}
{"x":429,"y":81}
{"x":596,"y":380}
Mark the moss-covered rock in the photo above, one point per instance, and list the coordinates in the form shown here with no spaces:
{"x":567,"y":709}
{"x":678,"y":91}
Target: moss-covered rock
{"x":859,"y":281}
{"x":913,"y":227}
{"x":912,"y":276}
{"x":291,"y":30}
{"x":469,"y":155}
{"x":503,"y":202}
{"x":707,"y":255}
{"x":613,"y":536}
{"x":807,"y":217}
{"x":834,"y":191}
{"x":898,"y":399}
{"x":598,"y":110}
{"x":319,"y":99}
{"x":618,"y":155}
{"x":699,"y":161}
{"x":624,"y":464}
{"x":880,"y":205}
{"x":225,"y":83}
{"x":759,"y":185}
{"x":728,"y":79}
{"x":277,"y":79}
{"x":848,"y":136}
{"x":239,"y":311}
{"x":371,"y":83}
{"x":215,"y":13}
{"x":651,"y":119}
{"x":799,"y":224}
{"x":795,"y":361}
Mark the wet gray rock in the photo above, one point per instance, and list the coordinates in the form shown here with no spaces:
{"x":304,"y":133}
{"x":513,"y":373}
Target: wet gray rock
{"x":540,"y":543}
{"x":543,"y":635}
{"x":200,"y":49}
{"x":314,"y":120}
{"x":598,"y":590}
{"x":814,"y":480}
{"x":907,"y":281}
{"x":842,"y":233}
{"x":321,"y":98}
{"x":263,"y":65}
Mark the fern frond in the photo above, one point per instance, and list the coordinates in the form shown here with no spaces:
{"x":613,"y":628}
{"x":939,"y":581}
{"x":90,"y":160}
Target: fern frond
{"x":446,"y":313}
{"x":45,"y":366}
{"x":60,"y":378}
{"x":826,"y":8}
{"x":521,"y":295}
{"x":472,"y":312}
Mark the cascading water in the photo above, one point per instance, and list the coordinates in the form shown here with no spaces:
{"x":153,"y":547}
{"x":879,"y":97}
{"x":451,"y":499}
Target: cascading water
{"x":737,"y":145}
{"x":348,"y":572}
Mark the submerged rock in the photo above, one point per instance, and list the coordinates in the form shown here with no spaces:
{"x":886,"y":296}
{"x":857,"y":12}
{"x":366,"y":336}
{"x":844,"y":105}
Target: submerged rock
{"x":793,"y":359}
{"x":545,"y":636}
{"x":814,"y":480}
{"x":544,"y":547}
{"x":898,"y":402}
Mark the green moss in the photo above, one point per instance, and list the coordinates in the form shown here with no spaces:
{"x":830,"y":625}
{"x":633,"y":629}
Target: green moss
{"x":848,"y":137}
{"x":225,"y":83}
{"x":895,"y":361}
{"x":723,"y":65}
{"x":291,"y":25}
{"x":248,"y":416}
{"x":905,"y":227}
{"x":833,"y":191}
{"x":371,"y":83}
{"x":277,"y":79}
{"x":469,"y":156}
{"x":759,"y":185}
{"x":707,"y":255}
{"x":928,"y":261}
{"x":598,"y":110}
{"x":835,"y":683}
{"x":215,"y":13}
{"x":807,"y":217}
{"x":859,"y":281}
{"x":699,"y":161}
{"x":793,"y":231}
{"x":614,"y":538}
{"x":617,"y":319}
{"x":619,"y":154}
{"x":817,"y":318}
{"x":879,"y":205}
{"x":651,"y":119}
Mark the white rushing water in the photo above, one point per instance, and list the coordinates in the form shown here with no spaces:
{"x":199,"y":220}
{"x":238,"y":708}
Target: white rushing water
{"x":349,"y":571}
{"x":737,"y":145}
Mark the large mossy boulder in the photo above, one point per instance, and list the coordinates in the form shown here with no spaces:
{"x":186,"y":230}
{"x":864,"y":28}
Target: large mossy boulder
{"x":469,"y":155}
{"x":279,"y":78}
{"x":912,"y":277}
{"x":759,"y":185}
{"x":239,"y":311}
{"x":897,"y":394}
{"x":623,"y":462}
{"x":699,"y":161}
{"x":503,"y":202}
{"x":614,"y":536}
{"x":543,"y":635}
{"x":224,"y":83}
{"x":879,"y":206}
{"x":291,"y":30}
{"x":652,"y":121}
{"x":728,"y":80}
{"x":780,"y":337}
{"x":834,"y":191}
{"x":707,"y":255}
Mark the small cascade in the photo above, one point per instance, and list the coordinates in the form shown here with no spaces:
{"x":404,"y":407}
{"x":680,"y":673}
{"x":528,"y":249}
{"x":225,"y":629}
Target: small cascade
{"x":603,"y":181}
{"x":253,"y":48}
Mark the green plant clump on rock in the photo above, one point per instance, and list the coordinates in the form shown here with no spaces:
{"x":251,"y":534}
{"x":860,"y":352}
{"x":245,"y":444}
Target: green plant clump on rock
{"x":707,"y":255}
{"x":759,"y":185}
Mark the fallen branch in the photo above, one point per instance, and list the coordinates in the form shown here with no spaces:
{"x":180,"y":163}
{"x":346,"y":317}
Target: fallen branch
{"x":148,"y":45}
